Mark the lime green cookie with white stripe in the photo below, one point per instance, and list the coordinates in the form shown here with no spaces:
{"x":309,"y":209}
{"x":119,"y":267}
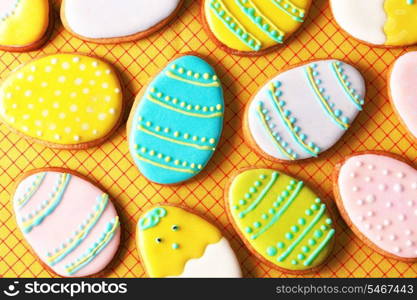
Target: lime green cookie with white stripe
{"x":283,"y":221}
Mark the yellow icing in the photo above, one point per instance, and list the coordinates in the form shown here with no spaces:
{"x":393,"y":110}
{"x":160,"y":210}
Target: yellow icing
{"x":268,"y":10}
{"x":26,"y":24}
{"x":401,"y":25}
{"x":194,"y":234}
{"x":262,"y":213}
{"x":63,"y":99}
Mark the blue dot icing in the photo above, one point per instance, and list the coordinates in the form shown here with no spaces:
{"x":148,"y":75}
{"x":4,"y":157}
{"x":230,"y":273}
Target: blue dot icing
{"x":178,"y":122}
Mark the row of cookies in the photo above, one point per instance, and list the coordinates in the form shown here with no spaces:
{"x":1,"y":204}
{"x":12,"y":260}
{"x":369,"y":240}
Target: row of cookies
{"x":241,"y":27}
{"x":73,"y":101}
{"x":73,"y":228}
{"x":26,"y":25}
{"x":262,"y":204}
{"x":300,"y":113}
{"x":289,"y":227}
{"x":144,"y":130}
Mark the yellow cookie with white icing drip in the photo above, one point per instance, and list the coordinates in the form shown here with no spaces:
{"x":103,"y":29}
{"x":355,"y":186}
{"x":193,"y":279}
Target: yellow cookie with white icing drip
{"x":253,"y":26}
{"x":173,"y":242}
{"x":23,"y":24}
{"x":401,"y":25}
{"x":63,"y":101}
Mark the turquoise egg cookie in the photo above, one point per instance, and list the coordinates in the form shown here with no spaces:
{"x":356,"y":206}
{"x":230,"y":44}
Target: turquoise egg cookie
{"x":177,"y":122}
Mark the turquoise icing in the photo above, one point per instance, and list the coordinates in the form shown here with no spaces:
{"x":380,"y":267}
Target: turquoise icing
{"x":58,"y":194}
{"x":285,"y":115}
{"x":315,"y":83}
{"x":278,"y":215}
{"x":279,"y":142}
{"x":301,"y":237}
{"x":173,"y":138}
{"x":218,"y":7}
{"x":270,"y":29}
{"x":259,"y":199}
{"x":346,"y":85}
{"x":291,"y":10}
{"x":87,"y":226}
{"x":95,"y":248}
{"x":31,"y":190}
{"x":152,"y":218}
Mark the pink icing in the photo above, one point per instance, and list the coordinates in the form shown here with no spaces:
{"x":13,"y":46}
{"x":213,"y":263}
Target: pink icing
{"x":403,"y":83}
{"x":7,"y":6}
{"x":77,"y":203}
{"x":379,"y":194}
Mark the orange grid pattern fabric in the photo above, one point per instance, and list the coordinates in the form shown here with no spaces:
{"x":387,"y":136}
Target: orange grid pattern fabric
{"x":377,"y":128}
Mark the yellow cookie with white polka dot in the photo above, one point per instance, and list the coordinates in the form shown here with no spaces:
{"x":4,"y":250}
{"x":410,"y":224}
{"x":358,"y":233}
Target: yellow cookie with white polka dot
{"x":66,"y":101}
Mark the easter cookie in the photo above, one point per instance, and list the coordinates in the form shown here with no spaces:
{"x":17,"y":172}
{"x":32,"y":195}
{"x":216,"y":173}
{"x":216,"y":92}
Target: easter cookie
{"x":253,"y":27}
{"x":25,"y":25}
{"x":403,"y":92}
{"x":387,"y":23}
{"x":66,"y":101}
{"x":70,"y":224}
{"x":176,"y":121}
{"x":114,"y":21}
{"x":280,"y":220}
{"x":175,"y":242}
{"x":304,"y":111}
{"x":376,"y":194}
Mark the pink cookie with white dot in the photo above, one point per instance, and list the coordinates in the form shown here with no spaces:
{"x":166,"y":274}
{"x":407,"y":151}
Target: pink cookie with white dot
{"x":376,"y":194}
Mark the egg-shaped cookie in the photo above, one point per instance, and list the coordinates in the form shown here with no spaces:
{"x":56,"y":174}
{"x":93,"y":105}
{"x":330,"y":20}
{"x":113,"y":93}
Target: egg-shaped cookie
{"x":69,"y":223}
{"x":403,"y":92}
{"x":176,"y":121}
{"x":376,"y":194}
{"x":175,"y":242}
{"x":115,"y":21}
{"x":386,"y":23}
{"x":25,"y":25}
{"x":253,"y":27}
{"x":304,"y":110}
{"x":280,"y":219}
{"x":66,"y":101}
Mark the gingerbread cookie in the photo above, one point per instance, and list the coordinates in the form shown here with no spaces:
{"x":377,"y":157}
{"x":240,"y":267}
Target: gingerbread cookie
{"x":402,"y":90}
{"x":280,"y":219}
{"x":376,"y":194}
{"x":253,"y":27}
{"x":67,"y":101}
{"x":176,"y":121}
{"x":69,"y":223}
{"x":25,"y":25}
{"x":174,"y":242}
{"x":304,"y":111}
{"x":114,"y":21}
{"x":388,"y":23}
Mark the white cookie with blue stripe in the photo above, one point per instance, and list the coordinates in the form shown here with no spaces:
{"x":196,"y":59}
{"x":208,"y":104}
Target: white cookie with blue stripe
{"x":305,"y":110}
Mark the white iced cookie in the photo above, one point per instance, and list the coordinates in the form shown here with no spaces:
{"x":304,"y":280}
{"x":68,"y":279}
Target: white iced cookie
{"x":115,"y":21}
